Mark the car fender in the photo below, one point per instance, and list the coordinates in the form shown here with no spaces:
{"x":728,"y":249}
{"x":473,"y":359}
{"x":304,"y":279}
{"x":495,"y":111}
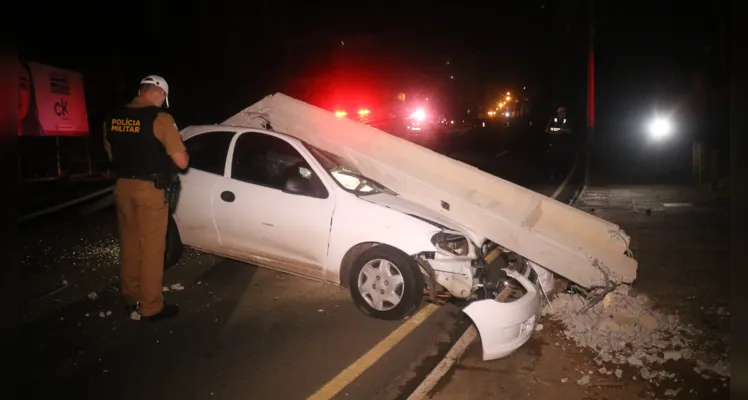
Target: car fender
{"x":384,"y":226}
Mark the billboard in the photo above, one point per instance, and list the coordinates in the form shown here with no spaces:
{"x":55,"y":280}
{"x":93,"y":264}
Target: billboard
{"x":51,"y":101}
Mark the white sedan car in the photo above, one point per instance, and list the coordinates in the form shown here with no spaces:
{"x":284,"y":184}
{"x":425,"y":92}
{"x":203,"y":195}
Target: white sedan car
{"x":272,"y":200}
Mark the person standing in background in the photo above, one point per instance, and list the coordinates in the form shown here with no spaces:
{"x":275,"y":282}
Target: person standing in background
{"x":560,"y":143}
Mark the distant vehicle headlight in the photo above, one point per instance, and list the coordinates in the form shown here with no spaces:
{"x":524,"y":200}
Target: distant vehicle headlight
{"x":660,"y":128}
{"x":419,"y":115}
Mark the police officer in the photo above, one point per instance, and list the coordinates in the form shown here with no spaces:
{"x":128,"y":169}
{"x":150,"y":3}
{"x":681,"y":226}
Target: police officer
{"x":144,"y":145}
{"x":559,"y":142}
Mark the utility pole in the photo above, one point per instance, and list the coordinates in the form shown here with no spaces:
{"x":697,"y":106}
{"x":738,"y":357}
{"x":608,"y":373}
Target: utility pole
{"x":590,"y":88}
{"x":591,"y":70}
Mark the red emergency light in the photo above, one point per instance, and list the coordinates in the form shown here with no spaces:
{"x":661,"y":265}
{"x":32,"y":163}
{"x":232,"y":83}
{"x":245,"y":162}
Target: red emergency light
{"x":419,"y":115}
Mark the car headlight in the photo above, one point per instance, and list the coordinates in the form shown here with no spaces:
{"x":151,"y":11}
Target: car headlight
{"x":452,"y":243}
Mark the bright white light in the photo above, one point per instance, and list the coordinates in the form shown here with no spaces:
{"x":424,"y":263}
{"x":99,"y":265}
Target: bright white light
{"x":660,"y":128}
{"x":419,"y":115}
{"x":506,"y":114}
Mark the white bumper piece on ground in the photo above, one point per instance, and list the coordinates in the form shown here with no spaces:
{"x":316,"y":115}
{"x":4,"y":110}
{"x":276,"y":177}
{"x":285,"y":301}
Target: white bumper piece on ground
{"x":505,"y":327}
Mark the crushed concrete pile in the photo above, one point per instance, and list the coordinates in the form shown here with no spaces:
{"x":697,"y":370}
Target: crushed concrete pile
{"x":624,"y":329}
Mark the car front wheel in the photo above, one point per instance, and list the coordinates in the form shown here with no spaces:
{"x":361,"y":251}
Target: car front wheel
{"x":386,"y":283}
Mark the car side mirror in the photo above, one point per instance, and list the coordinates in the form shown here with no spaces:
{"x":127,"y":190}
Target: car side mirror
{"x":298,"y":185}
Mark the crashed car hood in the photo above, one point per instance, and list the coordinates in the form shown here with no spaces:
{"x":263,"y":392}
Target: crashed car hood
{"x":578,"y":246}
{"x":397,"y":203}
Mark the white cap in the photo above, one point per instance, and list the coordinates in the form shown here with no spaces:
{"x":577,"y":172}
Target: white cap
{"x":157,"y":81}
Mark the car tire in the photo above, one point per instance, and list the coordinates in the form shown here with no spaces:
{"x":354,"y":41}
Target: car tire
{"x":174,"y":247}
{"x":410,"y":292}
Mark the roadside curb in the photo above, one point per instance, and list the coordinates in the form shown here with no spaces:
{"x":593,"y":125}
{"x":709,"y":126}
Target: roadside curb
{"x":471,"y":334}
{"x":585,"y":180}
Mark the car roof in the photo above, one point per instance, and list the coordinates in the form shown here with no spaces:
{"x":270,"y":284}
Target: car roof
{"x":195,"y":130}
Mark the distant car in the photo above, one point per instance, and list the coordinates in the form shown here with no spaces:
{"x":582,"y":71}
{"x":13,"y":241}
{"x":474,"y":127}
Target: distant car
{"x":273,"y":200}
{"x":377,"y":117}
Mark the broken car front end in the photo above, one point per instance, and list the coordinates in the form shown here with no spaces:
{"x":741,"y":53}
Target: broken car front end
{"x":505,"y":289}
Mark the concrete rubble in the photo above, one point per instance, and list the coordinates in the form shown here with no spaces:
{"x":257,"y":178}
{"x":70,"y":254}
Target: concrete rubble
{"x":624,"y":329}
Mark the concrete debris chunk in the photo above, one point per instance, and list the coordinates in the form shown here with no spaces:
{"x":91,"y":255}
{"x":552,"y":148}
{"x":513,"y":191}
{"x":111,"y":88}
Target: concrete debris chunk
{"x":672,"y":392}
{"x":722,"y":368}
{"x":674,"y":355}
{"x":177,"y":287}
{"x":625,"y":329}
{"x":635,"y":361}
{"x":649,"y":322}
{"x":583,"y":380}
{"x":92,"y":295}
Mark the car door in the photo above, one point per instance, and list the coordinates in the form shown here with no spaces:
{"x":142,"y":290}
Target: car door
{"x":194,"y":212}
{"x":257,"y":217}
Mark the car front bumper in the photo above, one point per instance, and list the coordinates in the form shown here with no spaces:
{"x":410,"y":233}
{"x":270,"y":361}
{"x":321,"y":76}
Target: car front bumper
{"x":505,"y":327}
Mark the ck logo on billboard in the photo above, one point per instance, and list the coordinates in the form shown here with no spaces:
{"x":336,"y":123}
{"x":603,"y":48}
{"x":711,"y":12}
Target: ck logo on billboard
{"x":61,"y":108}
{"x":60,"y":100}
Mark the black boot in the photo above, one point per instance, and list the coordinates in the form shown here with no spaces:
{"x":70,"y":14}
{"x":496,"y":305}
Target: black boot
{"x":169,"y":311}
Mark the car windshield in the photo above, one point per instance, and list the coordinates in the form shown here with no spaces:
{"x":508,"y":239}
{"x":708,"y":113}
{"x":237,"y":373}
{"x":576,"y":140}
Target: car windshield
{"x":346,"y":174}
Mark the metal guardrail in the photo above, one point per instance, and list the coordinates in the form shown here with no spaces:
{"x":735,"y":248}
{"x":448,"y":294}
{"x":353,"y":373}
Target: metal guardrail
{"x":66,"y":204}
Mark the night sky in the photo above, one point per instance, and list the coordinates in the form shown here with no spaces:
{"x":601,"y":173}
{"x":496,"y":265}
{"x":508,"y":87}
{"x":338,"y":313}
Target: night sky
{"x":220,"y":56}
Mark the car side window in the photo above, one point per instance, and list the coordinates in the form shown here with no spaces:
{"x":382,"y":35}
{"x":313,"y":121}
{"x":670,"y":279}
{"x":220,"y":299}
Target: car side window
{"x":208,"y":151}
{"x":269,"y":161}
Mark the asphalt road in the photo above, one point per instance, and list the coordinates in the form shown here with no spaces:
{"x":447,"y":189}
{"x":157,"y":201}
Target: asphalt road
{"x":244,"y":332}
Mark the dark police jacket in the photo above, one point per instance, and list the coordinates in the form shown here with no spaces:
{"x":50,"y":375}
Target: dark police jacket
{"x":136,"y":152}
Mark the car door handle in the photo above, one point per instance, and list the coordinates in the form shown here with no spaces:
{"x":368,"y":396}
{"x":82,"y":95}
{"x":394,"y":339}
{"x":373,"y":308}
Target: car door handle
{"x":228,"y":196}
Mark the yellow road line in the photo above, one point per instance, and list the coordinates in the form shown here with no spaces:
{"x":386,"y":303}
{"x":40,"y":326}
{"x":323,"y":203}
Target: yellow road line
{"x":353,"y":371}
